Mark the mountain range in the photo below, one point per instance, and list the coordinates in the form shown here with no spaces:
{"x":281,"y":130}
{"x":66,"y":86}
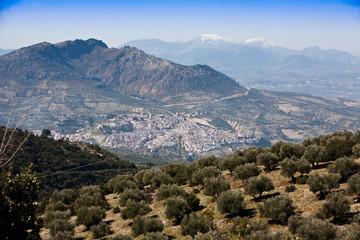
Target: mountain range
{"x":74,"y":86}
{"x":260,"y":64}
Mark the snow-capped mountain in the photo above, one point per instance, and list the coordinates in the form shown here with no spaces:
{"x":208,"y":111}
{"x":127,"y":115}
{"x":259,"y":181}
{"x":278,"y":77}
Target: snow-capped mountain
{"x":262,"y":64}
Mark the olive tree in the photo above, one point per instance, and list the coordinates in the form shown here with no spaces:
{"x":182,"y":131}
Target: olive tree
{"x":279,"y":208}
{"x":231,"y":203}
{"x":258,"y":185}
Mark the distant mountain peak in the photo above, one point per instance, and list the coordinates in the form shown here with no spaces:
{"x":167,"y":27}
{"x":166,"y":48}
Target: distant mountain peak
{"x":209,"y":37}
{"x":259,"y":42}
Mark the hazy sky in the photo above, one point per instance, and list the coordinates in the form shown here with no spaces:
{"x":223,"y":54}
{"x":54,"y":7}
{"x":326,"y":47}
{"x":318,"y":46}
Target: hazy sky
{"x":293,"y":24}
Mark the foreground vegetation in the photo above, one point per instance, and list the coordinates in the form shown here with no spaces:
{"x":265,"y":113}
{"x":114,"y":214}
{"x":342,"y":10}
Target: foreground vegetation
{"x":308,"y":190}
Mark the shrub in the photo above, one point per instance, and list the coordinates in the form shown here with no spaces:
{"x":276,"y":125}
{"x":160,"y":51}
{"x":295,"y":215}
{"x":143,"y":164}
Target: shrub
{"x":231,"y":203}
{"x":143,"y":225}
{"x":215,"y":186}
{"x":176,"y":171}
{"x":207,"y":172}
{"x":336,"y":205}
{"x":159,"y":179}
{"x":314,"y":154}
{"x":155,"y":236}
{"x":176,"y":207}
{"x":241,"y":226}
{"x":100,"y":230}
{"x":207,"y":161}
{"x":290,"y":188}
{"x":116,"y":209}
{"x":246,"y":171}
{"x":345,"y":167}
{"x":192,"y":224}
{"x":311,"y":228}
{"x":353,"y":185}
{"x":323,"y":183}
{"x":130,"y":194}
{"x":133,"y":209}
{"x":278,"y":208}
{"x":166,"y":191}
{"x":119,"y":183}
{"x":356,"y":150}
{"x":258,"y":185}
{"x":231,"y":162}
{"x":269,"y":160}
{"x":90,"y":216}
{"x":144,"y":177}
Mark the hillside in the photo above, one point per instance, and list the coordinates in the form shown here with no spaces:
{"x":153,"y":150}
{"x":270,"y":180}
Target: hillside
{"x":125,"y":98}
{"x":259,"y":64}
{"x":62,"y":164}
{"x":204,"y":191}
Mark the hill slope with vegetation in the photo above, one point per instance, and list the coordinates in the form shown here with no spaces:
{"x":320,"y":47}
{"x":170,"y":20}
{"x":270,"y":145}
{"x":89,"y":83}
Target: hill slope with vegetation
{"x":308,"y":190}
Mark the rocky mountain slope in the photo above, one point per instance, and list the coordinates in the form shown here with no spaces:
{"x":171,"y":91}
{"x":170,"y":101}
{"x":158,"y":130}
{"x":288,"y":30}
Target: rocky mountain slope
{"x":260,"y":64}
{"x":74,"y":86}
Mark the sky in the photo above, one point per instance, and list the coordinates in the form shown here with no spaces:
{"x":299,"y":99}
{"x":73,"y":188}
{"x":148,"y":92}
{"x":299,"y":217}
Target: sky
{"x":332,"y":24}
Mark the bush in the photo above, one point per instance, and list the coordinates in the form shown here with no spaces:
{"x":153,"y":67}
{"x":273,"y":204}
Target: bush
{"x":231,"y":203}
{"x":155,"y":236}
{"x":215,"y":186}
{"x":166,"y":191}
{"x":241,"y":226}
{"x":336,"y":205}
{"x":323,"y":183}
{"x":353,"y":185}
{"x":269,"y":160}
{"x":207,"y":172}
{"x":159,"y":179}
{"x":278,"y":208}
{"x":290,"y":188}
{"x":130,"y":194}
{"x":246,"y":171}
{"x":231,"y":162}
{"x":345,"y":167}
{"x":176,"y":171}
{"x":192,"y":224}
{"x":133,"y":209}
{"x":116,"y":209}
{"x":314,"y":154}
{"x":311,"y":228}
{"x":143,"y":225}
{"x":119,"y":183}
{"x":258,"y":185}
{"x":100,"y":230}
{"x":90,"y":216}
{"x":176,"y":207}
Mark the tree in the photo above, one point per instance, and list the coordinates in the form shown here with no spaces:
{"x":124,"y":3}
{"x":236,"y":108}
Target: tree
{"x":144,"y":224}
{"x":18,"y":204}
{"x":231,"y":203}
{"x":258,"y":185}
{"x":176,"y":207}
{"x":45,"y":133}
{"x":155,"y":236}
{"x":90,"y":216}
{"x":215,"y":186}
{"x":176,"y":171}
{"x":134,"y":208}
{"x":323,"y":183}
{"x":206,"y":172}
{"x":207,"y":161}
{"x":309,"y":228}
{"x":336,"y":205}
{"x":231,"y":162}
{"x":314,"y":154}
{"x":192,"y":224}
{"x":288,"y":150}
{"x":58,"y":222}
{"x":159,"y":179}
{"x":353,"y":184}
{"x":130,"y":194}
{"x":269,"y":160}
{"x":290,"y":166}
{"x":345,"y":167}
{"x":100,"y":230}
{"x":356,"y":150}
{"x":246,"y":171}
{"x":278,"y":208}
{"x":166,"y":191}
